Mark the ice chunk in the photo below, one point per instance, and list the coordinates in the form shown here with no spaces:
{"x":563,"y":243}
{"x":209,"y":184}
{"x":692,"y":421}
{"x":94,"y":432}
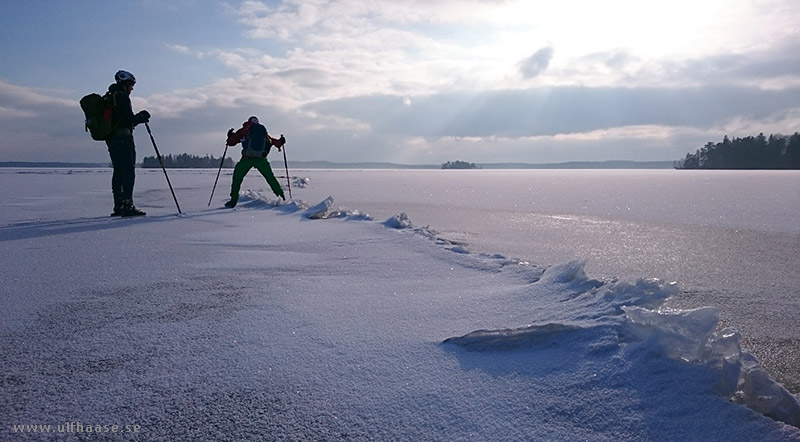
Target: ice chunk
{"x":399,"y":221}
{"x":509,"y":338}
{"x":689,"y":335}
{"x":681,"y":334}
{"x":571,"y":272}
{"x":320,"y":210}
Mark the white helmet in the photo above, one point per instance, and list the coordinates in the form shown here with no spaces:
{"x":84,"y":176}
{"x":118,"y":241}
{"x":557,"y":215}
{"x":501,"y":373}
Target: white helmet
{"x":122,"y":76}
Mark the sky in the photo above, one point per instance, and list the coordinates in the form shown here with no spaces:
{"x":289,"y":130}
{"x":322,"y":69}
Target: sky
{"x":412,"y":82}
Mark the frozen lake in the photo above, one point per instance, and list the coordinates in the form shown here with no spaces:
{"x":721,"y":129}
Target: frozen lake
{"x":731,"y":239}
{"x":523,"y":311}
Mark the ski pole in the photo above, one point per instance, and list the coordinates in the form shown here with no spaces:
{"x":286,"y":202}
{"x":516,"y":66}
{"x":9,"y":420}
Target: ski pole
{"x":286,"y":165}
{"x":218,"y":172}
{"x":161,"y":161}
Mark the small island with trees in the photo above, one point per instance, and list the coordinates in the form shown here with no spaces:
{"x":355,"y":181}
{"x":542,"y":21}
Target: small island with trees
{"x":187,"y":161}
{"x":759,"y":152}
{"x":458,"y":165}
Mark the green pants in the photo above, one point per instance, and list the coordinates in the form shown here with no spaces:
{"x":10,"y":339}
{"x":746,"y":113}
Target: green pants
{"x":244,"y":165}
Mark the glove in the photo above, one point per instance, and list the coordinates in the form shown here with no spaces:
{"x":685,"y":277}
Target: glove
{"x":282,"y":140}
{"x":143,"y":116}
{"x":230,"y":132}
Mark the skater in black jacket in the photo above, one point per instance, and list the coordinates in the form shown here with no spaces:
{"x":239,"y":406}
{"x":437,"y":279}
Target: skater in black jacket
{"x":120,"y":145}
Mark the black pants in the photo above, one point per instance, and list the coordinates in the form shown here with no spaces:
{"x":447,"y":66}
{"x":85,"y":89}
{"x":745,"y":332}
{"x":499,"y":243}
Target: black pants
{"x":123,"y":159}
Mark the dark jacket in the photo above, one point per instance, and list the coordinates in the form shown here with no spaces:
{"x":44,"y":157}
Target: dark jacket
{"x":124,"y":118}
{"x":240,"y":136}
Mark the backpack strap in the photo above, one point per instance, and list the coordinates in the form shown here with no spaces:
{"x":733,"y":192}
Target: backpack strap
{"x":112,"y":97}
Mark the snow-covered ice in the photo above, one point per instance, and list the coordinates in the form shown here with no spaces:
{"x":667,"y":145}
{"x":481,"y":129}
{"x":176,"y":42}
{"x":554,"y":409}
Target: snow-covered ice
{"x":304,"y":320}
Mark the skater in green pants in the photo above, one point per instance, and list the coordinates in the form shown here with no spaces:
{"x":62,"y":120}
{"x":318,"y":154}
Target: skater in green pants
{"x":256,"y":144}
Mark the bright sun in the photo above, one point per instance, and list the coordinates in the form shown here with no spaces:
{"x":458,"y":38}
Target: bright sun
{"x":576,"y":27}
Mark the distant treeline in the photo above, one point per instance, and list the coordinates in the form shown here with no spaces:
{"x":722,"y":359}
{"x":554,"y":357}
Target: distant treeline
{"x":187,"y":161}
{"x":51,"y":164}
{"x":776,"y":152}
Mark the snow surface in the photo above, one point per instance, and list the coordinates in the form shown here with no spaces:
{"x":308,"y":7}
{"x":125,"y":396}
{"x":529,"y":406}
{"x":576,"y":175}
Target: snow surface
{"x":309,"y":321}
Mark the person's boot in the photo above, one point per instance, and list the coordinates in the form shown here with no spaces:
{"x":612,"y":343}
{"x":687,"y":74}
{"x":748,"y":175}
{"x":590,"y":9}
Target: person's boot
{"x":231,"y":204}
{"x":128,"y":209}
{"x":117,"y":207}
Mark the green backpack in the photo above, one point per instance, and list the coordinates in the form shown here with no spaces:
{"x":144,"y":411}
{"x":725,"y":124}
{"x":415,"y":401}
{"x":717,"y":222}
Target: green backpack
{"x":99,"y":113}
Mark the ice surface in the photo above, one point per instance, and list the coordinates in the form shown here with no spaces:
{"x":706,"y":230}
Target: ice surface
{"x":261,"y":323}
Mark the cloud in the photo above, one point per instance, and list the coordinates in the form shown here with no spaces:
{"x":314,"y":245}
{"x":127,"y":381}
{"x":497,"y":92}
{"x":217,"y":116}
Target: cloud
{"x":536,"y":124}
{"x":292,"y":19}
{"x":558,"y":110}
{"x":181,"y":49}
{"x":7,"y":112}
{"x":38,"y":124}
{"x":534,"y":65}
{"x":19,"y":97}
